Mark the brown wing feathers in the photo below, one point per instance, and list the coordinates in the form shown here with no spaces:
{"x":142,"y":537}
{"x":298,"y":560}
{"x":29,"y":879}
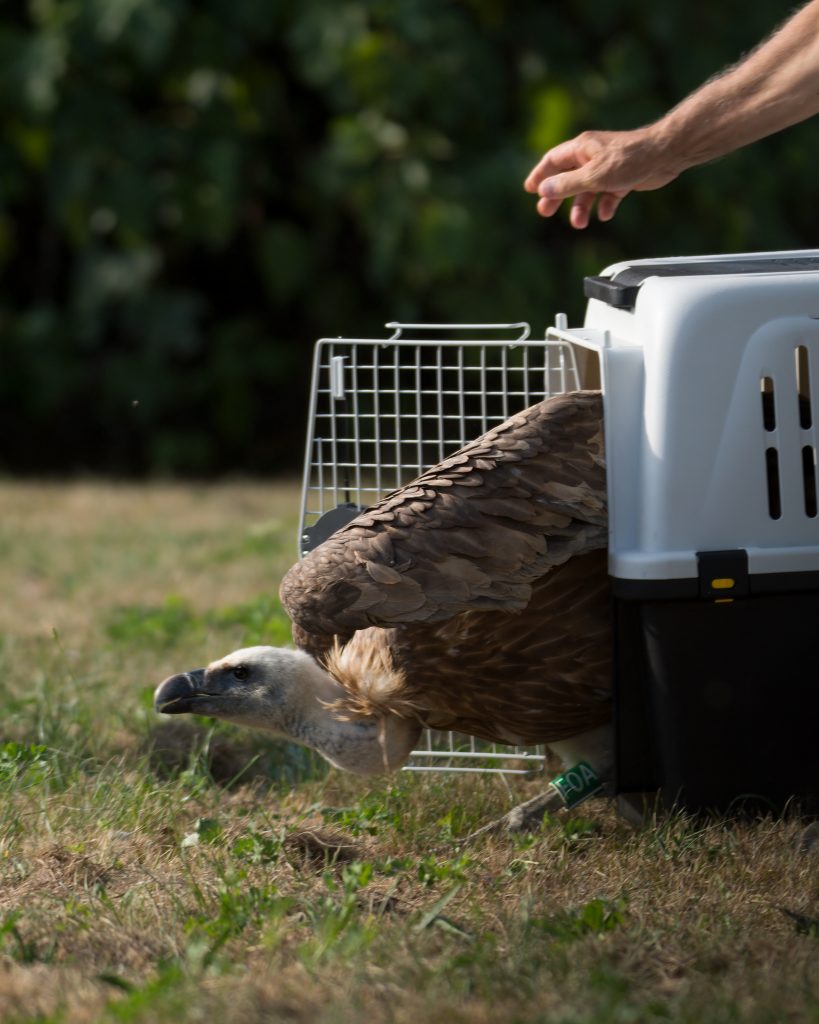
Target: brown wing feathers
{"x":473,"y":532}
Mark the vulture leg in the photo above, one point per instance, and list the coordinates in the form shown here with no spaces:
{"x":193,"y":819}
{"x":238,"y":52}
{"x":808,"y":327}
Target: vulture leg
{"x":591,"y":755}
{"x":526,"y":817}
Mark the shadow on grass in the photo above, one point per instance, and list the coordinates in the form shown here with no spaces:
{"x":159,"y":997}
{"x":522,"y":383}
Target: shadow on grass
{"x":175,"y":748}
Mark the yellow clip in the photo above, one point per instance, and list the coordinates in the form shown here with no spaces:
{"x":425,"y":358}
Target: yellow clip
{"x":723,"y":584}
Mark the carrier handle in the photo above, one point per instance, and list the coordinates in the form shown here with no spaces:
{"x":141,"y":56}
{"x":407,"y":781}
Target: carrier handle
{"x":398,"y":327}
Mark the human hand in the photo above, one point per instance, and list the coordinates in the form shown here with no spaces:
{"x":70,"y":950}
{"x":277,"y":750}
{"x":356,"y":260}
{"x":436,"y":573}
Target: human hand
{"x":601,"y":166}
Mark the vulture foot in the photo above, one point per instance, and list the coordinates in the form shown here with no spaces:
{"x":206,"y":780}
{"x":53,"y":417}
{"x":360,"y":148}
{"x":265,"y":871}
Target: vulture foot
{"x":526,"y":817}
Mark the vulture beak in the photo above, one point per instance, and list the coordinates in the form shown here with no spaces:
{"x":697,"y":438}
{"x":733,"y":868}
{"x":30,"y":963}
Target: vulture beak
{"x":178,"y":694}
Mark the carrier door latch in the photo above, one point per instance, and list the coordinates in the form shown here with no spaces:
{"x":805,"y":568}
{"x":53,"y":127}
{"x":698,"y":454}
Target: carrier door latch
{"x":723,"y":575}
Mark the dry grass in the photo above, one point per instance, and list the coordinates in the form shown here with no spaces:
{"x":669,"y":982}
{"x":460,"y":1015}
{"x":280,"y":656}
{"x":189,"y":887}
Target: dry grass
{"x":174,"y":872}
{"x":72,"y":552}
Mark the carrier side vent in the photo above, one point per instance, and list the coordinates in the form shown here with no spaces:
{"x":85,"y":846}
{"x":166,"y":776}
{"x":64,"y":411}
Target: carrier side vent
{"x":809,"y":479}
{"x":774,"y":496}
{"x":803,"y":391}
{"x":803,"y":387}
{"x":768,"y":405}
{"x":807,"y":453}
{"x":766,"y":387}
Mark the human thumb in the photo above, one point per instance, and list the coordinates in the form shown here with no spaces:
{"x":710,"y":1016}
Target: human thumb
{"x":569,"y":183}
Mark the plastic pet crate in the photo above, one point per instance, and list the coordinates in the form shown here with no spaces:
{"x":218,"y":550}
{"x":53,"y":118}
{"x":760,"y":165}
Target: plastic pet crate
{"x":385,"y":409}
{"x":710,"y":371}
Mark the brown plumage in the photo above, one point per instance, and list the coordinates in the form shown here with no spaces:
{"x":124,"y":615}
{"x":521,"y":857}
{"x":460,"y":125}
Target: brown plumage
{"x":475,"y":598}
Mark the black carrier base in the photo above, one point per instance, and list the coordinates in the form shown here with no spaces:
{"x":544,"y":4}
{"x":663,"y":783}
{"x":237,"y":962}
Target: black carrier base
{"x":717,"y":702}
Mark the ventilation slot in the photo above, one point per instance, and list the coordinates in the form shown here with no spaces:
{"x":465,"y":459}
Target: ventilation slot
{"x":803,"y":388}
{"x":768,"y":408}
{"x":806,"y":422}
{"x":772,"y":468}
{"x":766,"y":387}
{"x":809,"y":479}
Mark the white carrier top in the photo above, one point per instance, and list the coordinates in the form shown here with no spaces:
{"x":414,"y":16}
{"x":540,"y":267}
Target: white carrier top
{"x":710,"y":369}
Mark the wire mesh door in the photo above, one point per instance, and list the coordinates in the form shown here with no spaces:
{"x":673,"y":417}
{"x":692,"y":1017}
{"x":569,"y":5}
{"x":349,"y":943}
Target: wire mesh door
{"x":384,"y":410}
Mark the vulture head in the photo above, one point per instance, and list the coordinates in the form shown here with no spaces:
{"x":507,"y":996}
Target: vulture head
{"x":249,"y":687}
{"x":287,"y":693}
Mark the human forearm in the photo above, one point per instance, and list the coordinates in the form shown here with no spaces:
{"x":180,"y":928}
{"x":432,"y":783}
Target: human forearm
{"x":776,"y":86}
{"x":772,"y":88}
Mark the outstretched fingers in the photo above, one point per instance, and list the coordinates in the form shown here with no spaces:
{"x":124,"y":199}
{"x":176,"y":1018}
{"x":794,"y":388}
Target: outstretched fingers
{"x":567,"y":172}
{"x":580,"y":213}
{"x":607,"y":204}
{"x":582,"y":202}
{"x":566,"y":157}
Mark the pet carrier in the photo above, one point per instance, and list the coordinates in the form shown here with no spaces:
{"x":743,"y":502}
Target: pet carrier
{"x":384,"y":410}
{"x":710,"y":370}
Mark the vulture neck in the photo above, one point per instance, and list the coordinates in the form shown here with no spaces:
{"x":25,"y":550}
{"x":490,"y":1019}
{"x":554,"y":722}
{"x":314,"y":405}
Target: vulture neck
{"x":322,"y":716}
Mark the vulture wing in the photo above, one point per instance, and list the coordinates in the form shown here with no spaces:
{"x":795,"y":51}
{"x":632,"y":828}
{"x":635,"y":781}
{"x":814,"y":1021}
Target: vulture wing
{"x":474,"y":533}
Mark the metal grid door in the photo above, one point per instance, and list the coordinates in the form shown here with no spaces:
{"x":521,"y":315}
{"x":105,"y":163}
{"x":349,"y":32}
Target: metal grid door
{"x":384,"y":410}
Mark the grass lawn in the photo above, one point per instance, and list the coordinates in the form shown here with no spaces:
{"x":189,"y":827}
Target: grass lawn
{"x":159,"y":871}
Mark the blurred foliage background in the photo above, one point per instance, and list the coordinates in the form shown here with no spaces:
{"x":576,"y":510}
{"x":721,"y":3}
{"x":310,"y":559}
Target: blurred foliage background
{"x":192,"y":191}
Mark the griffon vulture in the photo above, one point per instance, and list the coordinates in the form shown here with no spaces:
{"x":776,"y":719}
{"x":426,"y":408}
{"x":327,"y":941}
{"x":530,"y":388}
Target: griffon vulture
{"x":475,"y":598}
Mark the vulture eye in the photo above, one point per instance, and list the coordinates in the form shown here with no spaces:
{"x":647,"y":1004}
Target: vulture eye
{"x":241,"y":672}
